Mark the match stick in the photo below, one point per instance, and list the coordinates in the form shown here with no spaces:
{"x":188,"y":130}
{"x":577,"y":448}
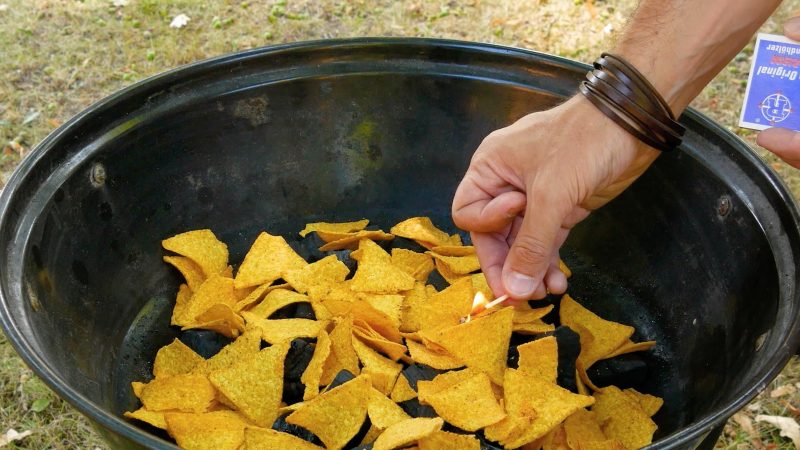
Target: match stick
{"x":496,"y":302}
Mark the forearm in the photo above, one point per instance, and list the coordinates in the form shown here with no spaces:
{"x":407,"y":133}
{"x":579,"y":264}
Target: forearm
{"x":680,"y":45}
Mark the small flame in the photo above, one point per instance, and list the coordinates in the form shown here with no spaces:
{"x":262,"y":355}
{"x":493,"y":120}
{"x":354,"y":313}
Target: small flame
{"x":481,"y":304}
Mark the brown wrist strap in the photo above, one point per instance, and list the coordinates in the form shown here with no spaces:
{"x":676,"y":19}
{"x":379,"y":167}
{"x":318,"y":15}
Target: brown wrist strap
{"x":623,"y":94}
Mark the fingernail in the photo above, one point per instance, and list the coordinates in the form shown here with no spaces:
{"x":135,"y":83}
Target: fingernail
{"x":520,"y":285}
{"x":792,"y":28}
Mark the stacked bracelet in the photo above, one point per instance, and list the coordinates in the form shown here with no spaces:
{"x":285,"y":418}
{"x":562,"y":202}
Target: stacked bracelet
{"x":623,"y":94}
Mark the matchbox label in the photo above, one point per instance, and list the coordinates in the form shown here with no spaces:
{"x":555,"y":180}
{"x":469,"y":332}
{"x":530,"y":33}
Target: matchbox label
{"x":772,"y":98}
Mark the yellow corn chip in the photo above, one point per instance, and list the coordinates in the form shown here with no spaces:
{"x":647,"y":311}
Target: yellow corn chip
{"x":383,"y":412}
{"x":650,"y":404}
{"x":343,"y":355}
{"x":341,"y":227}
{"x":427,"y":388}
{"x":282,"y":330}
{"x":539,"y":359}
{"x":382,"y":371}
{"x":192,"y":273}
{"x":479,"y":284}
{"x":402,"y":391}
{"x":563,"y":266}
{"x":256,"y":295}
{"x":187,"y":393}
{"x":535,"y":327}
{"x":510,"y":428}
{"x":454,"y":250}
{"x":447,"y":273}
{"x":531,"y":315}
{"x":179,"y":312}
{"x":175,"y":359}
{"x":414,"y":309}
{"x":335,"y":416}
{"x":317,"y":278}
{"x":246,"y":345}
{"x":276,"y":300}
{"x":436,"y":359}
{"x":582,"y":427}
{"x":469,"y":404}
{"x":623,"y":418}
{"x":220,"y":318}
{"x":389,"y":304}
{"x":371,"y":435}
{"x":351,"y":240}
{"x":443,"y":440}
{"x":379,"y":343}
{"x":269,"y":258}
{"x":554,"y":440}
{"x":455,"y":241}
{"x":264,"y":439}
{"x":255,"y":385}
{"x":482,"y":344}
{"x":446,"y":308}
{"x":608,"y":444}
{"x":154,"y":418}
{"x":216,"y":289}
{"x":218,"y":430}
{"x":458,"y":265}
{"x":551,"y":404}
{"x":403,"y":433}
{"x":311,"y":376}
{"x":418,"y":265}
{"x":421,"y":229}
{"x":137,"y":387}
{"x":376,"y":273}
{"x":202,"y":247}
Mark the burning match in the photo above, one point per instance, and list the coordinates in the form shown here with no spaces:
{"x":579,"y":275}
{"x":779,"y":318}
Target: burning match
{"x":480,"y":304}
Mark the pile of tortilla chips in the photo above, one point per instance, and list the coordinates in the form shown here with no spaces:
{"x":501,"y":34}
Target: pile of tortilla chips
{"x":366,"y":330}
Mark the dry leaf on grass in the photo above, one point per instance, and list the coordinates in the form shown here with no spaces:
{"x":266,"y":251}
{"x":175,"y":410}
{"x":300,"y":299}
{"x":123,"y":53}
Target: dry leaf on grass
{"x":786,"y":389}
{"x":788,"y":426}
{"x":745,"y":423}
{"x":13,"y":435}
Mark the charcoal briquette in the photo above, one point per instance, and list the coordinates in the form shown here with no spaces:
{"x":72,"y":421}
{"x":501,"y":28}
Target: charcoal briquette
{"x":205,"y":343}
{"x":416,"y":372}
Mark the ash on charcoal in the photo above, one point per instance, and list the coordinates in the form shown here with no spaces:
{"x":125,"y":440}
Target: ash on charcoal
{"x":341,"y":378}
{"x":408,"y":244}
{"x":205,"y":343}
{"x":569,"y":347}
{"x":624,"y":371}
{"x":436,"y":279}
{"x":308,"y":247}
{"x":284,"y":427}
{"x":415,"y":409}
{"x":296,"y":362}
{"x":416,"y":372}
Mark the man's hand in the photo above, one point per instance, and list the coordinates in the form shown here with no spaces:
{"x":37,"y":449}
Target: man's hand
{"x":784,"y":143}
{"x":528,"y":184}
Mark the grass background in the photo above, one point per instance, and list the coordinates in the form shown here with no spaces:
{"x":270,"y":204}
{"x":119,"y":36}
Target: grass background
{"x":60,"y":56}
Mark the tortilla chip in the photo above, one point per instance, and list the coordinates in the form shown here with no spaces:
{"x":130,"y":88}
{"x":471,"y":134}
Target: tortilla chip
{"x":650,"y":404}
{"x":432,"y":358}
{"x":418,"y":265}
{"x":402,"y":391}
{"x":539,"y":359}
{"x":556,"y":439}
{"x":479,"y":284}
{"x":342,"y":355}
{"x":256,"y":295}
{"x":403,"y":433}
{"x":255,"y":385}
{"x":137,"y":387}
{"x":481,"y":344}
{"x":377,"y":320}
{"x":440,"y":382}
{"x":179,"y":312}
{"x":203,"y":248}
{"x":192,"y":273}
{"x":311,"y":376}
{"x":376,"y":273}
{"x":469,"y":404}
{"x":282,"y":330}
{"x":383,"y":412}
{"x":531,"y":315}
{"x":443,"y":440}
{"x":335,"y":416}
{"x":244,"y":346}
{"x":216,"y":289}
{"x":622,"y":418}
{"x":447,"y":273}
{"x":421,"y":229}
{"x":510,"y":428}
{"x":608,"y":444}
{"x":564,"y":269}
{"x":218,"y":430}
{"x":383,"y":372}
{"x":414,"y":309}
{"x":268,"y":259}
{"x":582,"y":427}
{"x":351,"y":240}
{"x":186,"y":393}
{"x":175,"y":359}
{"x":458,"y":265}
{"x":532,"y":328}
{"x":379,"y":343}
{"x":276,"y":300}
{"x":389,"y":304}
{"x":154,"y":418}
{"x":551,"y":403}
{"x":220,"y":318}
{"x":446,"y":308}
{"x":330,"y":227}
{"x":371,"y":435}
{"x":265,"y":439}
{"x":317,"y":278}
{"x":454,"y":250}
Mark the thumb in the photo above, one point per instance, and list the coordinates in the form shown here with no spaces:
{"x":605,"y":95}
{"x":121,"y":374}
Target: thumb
{"x":784,"y":143}
{"x":792,"y":28}
{"x":531,"y":252}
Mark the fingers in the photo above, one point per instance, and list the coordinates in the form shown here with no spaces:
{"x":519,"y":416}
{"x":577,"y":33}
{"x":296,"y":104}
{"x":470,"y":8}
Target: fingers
{"x":477,"y":210}
{"x":492,"y":249}
{"x":530,"y":254}
{"x":792,"y":28}
{"x":784,"y":143}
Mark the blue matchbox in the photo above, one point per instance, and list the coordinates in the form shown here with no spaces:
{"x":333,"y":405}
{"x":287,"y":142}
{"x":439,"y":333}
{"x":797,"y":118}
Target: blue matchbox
{"x":773,"y":90}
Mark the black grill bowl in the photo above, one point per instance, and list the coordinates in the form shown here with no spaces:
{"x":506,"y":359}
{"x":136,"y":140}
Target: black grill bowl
{"x":700,"y":254}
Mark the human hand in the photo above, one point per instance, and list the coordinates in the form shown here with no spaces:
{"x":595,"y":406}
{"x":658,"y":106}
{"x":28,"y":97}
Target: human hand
{"x":783,"y":142}
{"x":528,"y":184}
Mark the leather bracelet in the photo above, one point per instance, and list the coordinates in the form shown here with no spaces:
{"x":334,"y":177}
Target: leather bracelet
{"x":624,"y":95}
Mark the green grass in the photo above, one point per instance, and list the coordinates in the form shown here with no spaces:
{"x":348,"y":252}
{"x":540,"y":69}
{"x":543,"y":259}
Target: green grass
{"x":60,"y":56}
